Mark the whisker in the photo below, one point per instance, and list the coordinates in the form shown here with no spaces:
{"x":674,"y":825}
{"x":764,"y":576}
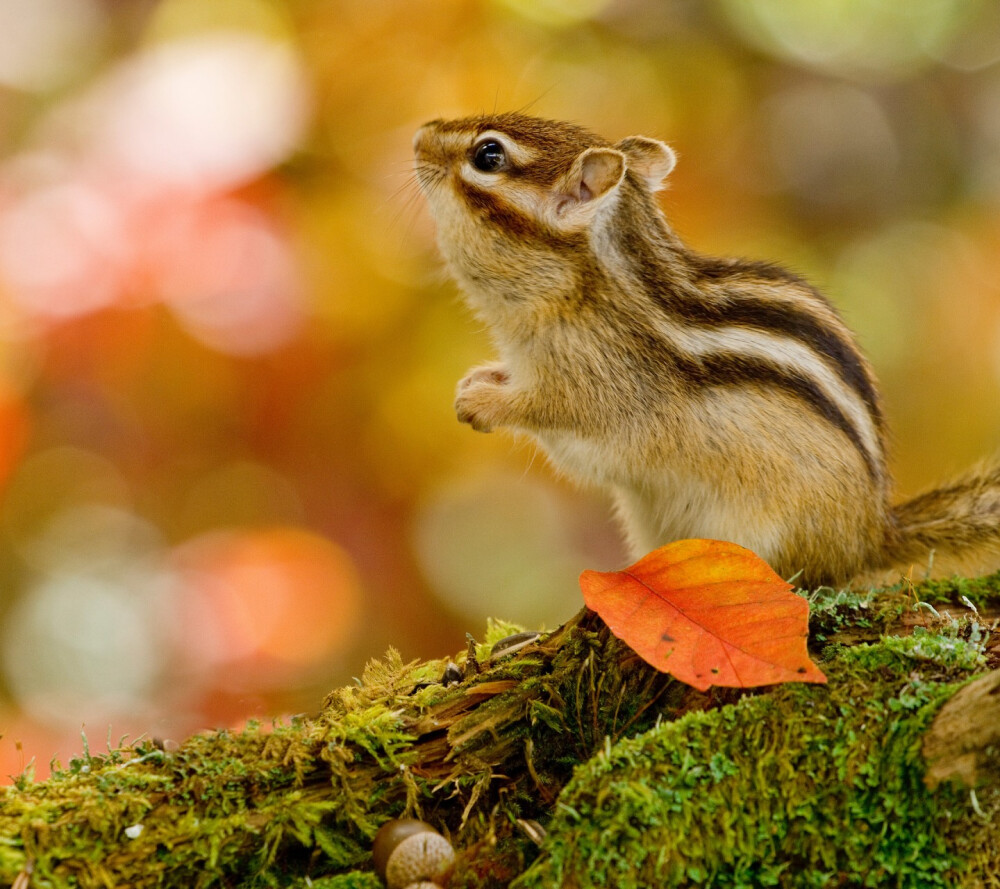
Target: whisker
{"x":405,"y":200}
{"x":527,"y":107}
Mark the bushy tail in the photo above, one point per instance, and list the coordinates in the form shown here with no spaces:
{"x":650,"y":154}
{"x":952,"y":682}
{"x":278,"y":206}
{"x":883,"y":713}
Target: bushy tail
{"x":952,"y":529}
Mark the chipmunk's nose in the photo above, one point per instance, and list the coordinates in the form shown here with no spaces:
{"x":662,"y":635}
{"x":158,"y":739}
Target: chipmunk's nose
{"x":429,"y":156}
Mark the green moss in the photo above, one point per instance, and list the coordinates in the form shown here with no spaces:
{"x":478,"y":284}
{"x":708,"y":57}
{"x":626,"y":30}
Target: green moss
{"x":353,"y":880}
{"x":805,"y":786}
{"x":641,"y":780}
{"x":224,"y":803}
{"x":983,"y":592}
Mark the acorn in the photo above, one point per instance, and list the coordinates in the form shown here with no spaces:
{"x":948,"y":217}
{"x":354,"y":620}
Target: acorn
{"x":408,"y":852}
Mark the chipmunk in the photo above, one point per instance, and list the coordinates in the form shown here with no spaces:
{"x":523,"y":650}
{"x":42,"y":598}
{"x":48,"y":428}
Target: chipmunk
{"x":714,"y":398}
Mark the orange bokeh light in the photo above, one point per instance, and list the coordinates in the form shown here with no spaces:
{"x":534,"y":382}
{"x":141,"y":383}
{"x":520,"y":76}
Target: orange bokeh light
{"x":15,"y":428}
{"x":278,"y":595}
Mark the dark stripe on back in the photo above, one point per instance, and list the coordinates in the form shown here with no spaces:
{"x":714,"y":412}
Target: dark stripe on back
{"x":763,"y":314}
{"x":656,"y":276}
{"x":797,"y":325}
{"x":729,"y":370}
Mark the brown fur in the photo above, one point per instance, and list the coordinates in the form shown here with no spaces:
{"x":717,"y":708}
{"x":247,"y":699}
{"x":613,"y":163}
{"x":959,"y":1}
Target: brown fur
{"x":710,"y":398}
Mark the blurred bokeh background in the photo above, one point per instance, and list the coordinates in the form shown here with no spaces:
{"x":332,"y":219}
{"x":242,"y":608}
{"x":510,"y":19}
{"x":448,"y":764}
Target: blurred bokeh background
{"x":230,"y":469}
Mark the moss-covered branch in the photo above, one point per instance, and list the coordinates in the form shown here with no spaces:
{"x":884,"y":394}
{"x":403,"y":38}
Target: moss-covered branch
{"x":637,"y":779}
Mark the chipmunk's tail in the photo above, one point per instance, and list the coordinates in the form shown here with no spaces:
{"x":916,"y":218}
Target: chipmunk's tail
{"x":952,"y":529}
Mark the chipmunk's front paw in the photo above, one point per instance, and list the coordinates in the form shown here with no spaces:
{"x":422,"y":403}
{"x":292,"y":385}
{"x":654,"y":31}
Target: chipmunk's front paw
{"x":482,"y":397}
{"x":487,"y":373}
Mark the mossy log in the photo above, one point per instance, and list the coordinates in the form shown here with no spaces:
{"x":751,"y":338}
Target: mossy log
{"x":571,"y":763}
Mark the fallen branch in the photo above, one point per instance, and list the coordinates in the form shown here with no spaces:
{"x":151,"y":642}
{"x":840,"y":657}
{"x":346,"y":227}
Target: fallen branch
{"x":635,"y":779}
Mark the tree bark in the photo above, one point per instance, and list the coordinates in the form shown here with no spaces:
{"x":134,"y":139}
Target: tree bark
{"x":963,"y":743}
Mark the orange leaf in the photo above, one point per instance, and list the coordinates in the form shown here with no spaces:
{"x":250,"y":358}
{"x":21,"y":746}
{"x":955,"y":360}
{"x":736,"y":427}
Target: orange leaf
{"x":708,"y":613}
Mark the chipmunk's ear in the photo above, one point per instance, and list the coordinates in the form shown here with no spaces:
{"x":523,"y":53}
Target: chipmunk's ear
{"x":595,"y":173}
{"x":649,"y":159}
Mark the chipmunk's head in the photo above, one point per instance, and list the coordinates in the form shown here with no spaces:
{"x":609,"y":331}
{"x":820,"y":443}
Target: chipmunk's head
{"x":516,"y":198}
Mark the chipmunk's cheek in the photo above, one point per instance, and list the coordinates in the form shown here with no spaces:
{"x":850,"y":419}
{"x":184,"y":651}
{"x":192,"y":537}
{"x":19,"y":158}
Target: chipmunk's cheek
{"x":442,"y":210}
{"x":459,"y":224}
{"x":453,"y":236}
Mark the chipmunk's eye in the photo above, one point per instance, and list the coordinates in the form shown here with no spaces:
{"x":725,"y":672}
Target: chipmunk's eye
{"x":489,"y":156}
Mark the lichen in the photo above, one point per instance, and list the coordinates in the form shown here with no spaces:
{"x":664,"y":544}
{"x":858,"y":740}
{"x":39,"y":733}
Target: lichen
{"x":833,"y":612}
{"x":945,"y":646}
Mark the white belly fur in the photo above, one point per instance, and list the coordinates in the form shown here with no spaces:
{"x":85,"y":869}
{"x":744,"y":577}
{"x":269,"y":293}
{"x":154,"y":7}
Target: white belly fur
{"x":690,"y":508}
{"x":664,"y":506}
